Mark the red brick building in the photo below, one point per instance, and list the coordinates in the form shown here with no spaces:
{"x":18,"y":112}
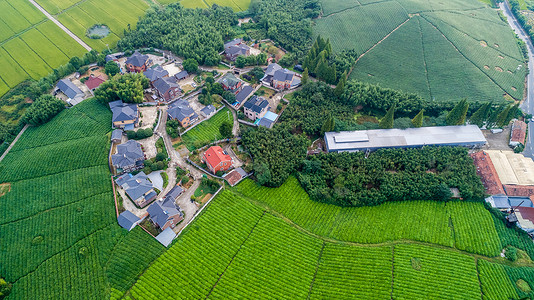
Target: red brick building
{"x":518,"y":134}
{"x":137,"y":62}
{"x":216,"y":159}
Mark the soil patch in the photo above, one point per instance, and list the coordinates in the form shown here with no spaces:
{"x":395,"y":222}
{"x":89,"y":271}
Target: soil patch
{"x":498,"y":69}
{"x":496,"y":45}
{"x":5,"y":188}
{"x":370,"y":75}
{"x":483,"y":43}
{"x":486,"y":67}
{"x":514,"y":89}
{"x":501,"y":57}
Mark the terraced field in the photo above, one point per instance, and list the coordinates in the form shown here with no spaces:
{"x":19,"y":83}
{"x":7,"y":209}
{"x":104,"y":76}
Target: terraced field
{"x":58,"y":229}
{"x":245,"y":247}
{"x":428,"y":47}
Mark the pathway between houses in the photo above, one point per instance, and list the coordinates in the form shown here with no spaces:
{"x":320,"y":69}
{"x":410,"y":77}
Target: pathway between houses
{"x":67,"y":31}
{"x":14,"y":141}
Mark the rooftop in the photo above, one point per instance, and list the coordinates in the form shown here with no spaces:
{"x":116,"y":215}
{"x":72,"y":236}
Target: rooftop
{"x":94,"y":81}
{"x":123,"y":111}
{"x":256,"y":104}
{"x":244,"y":93}
{"x":519,"y":131}
{"x":68,"y":88}
{"x":469,"y":135}
{"x":127,"y":220}
{"x":215,"y":155}
{"x":156,"y":73}
{"x":161,"y":210}
{"x":487,"y":173}
{"x":235,"y":176}
{"x":137,"y":59}
{"x":166,"y":237}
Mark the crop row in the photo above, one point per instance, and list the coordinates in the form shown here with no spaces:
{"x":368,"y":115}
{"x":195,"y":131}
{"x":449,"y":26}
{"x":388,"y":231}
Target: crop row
{"x":496,"y":284}
{"x":277,"y":262}
{"x":30,"y":241}
{"x":208,"y":130}
{"x":349,"y":272}
{"x":194,"y":263}
{"x":423,"y":272}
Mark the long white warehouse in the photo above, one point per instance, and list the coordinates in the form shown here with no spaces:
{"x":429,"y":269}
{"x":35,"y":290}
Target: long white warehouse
{"x":363,"y":140}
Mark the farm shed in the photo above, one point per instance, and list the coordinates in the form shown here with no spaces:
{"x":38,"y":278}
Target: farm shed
{"x":363,"y":140}
{"x":512,"y":168}
{"x":235,"y":176}
{"x":518,"y":134}
{"x":166,"y":237}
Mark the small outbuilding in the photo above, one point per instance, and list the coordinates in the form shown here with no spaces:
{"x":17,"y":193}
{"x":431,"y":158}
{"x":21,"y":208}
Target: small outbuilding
{"x":128,"y":220}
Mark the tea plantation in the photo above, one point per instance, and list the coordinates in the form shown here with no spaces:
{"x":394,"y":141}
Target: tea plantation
{"x":439,"y":50}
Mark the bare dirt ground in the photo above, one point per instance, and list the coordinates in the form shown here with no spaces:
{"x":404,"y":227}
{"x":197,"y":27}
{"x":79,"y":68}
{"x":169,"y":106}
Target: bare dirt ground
{"x":149,"y":146}
{"x":497,"y":141}
{"x":149,"y":116}
{"x":189,"y":208}
{"x":172,"y":68}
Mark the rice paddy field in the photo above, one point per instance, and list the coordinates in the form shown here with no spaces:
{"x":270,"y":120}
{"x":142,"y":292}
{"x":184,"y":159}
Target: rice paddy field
{"x":236,"y":5}
{"x":439,"y":50}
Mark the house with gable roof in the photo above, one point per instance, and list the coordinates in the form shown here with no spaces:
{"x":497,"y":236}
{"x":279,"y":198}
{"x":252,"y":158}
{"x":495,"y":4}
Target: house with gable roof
{"x":216,"y":159}
{"x":128,"y":220}
{"x":129,"y":157}
{"x":138,"y":62}
{"x":167,"y":88}
{"x":280,"y":78}
{"x":165,"y":213}
{"x":181,"y":111}
{"x":255,"y":108}
{"x":156,"y":73}
{"x":74,"y":94}
{"x":125,"y":115}
{"x":138,"y":188}
{"x":231,"y":83}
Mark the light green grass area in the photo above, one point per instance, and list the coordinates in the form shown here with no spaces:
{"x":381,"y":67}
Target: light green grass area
{"x":59,"y":38}
{"x":62,"y":241}
{"x":44,"y":48}
{"x":236,"y":5}
{"x":207,"y":131}
{"x":34,"y":65}
{"x":11,"y":71}
{"x":27,"y":10}
{"x":55,"y":6}
{"x":188,"y":3}
{"x":460,"y":44}
{"x":79,"y":30}
{"x":3,"y":87}
{"x":12,"y":17}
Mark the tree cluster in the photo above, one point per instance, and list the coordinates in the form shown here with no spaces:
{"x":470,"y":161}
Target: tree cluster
{"x":5,"y":288}
{"x":139,"y":134}
{"x":42,"y":110}
{"x":317,"y":61}
{"x":287,"y":22}
{"x":276,"y":153}
{"x":128,"y":88}
{"x":251,"y":60}
{"x":350,"y":179}
{"x":189,"y":33}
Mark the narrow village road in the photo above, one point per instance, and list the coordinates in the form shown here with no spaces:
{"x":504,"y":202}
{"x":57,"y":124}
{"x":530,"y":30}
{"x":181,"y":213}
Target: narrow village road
{"x":528,"y":104}
{"x":67,"y":31}
{"x":14,"y":141}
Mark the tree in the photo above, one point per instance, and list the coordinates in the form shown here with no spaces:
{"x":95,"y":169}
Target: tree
{"x":502,"y":117}
{"x":5,"y":288}
{"x":240,"y":61}
{"x":417,"y":121}
{"x":229,"y":96}
{"x":128,"y":88}
{"x":42,"y":110}
{"x":480,"y":115}
{"x":340,"y":88}
{"x":76,"y":62}
{"x":328,"y":125}
{"x":305,"y":76}
{"x":160,"y":156}
{"x":226,"y":129}
{"x":257,"y":73}
{"x":458,"y":114}
{"x":190,"y":65}
{"x":112,"y":68}
{"x":388,"y":120}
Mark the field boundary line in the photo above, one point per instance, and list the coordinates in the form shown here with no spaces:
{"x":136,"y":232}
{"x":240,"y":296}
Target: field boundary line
{"x":236,"y":253}
{"x":118,"y":20}
{"x":60,"y":172}
{"x":457,"y":12}
{"x":64,"y":250}
{"x":479,"y":281}
{"x":392,"y":270}
{"x":316,"y":268}
{"x":46,"y":63}
{"x":460,"y":52}
{"x":424,"y":58}
{"x":61,"y":26}
{"x":50,"y":209}
{"x":15,"y":140}
{"x":379,"y":42}
{"x":467,"y":34}
{"x":353,"y":7}
{"x":19,"y":13}
{"x":18,"y":64}
{"x":60,"y":50}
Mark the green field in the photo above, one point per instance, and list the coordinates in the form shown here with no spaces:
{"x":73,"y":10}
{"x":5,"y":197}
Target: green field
{"x":427,"y":47}
{"x":207,"y":131}
{"x":243,"y":249}
{"x":62,"y":241}
{"x":236,"y":5}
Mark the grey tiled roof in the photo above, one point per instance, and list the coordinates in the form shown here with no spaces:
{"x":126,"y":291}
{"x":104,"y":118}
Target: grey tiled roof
{"x":180,"y":110}
{"x":137,"y":59}
{"x":127,"y":154}
{"x":232,"y":43}
{"x":69,"y":89}
{"x":271,"y":68}
{"x":164,"y":84}
{"x":230,"y":80}
{"x":264,"y":122}
{"x":116,"y":134}
{"x":175,"y":192}
{"x":240,"y":49}
{"x":256,"y":104}
{"x":137,"y":186}
{"x":155,"y":73}
{"x":161,"y":210}
{"x":208,"y":110}
{"x":181,"y":75}
{"x":127,"y":219}
{"x":123,"y":111}
{"x":243,"y":94}
{"x":283,"y":75}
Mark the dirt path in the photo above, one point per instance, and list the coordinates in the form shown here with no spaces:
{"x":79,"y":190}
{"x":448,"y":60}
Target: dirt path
{"x":13,"y":143}
{"x":67,"y":31}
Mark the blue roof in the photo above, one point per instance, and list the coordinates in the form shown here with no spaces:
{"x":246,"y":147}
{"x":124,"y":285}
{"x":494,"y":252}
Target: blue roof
{"x":166,"y":237}
{"x":129,"y":127}
{"x":269,"y":115}
{"x":127,"y":220}
{"x":515,"y":201}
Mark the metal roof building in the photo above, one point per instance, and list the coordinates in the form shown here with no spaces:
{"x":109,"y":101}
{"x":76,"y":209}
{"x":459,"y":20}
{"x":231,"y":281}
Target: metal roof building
{"x":363,"y":140}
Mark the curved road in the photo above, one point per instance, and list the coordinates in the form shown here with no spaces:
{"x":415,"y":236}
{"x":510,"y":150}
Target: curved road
{"x":528,"y":104}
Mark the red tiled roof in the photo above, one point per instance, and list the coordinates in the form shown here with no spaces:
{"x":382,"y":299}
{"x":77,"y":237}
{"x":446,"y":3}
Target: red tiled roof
{"x":487,"y":173}
{"x":519,"y":190}
{"x":519,"y":131}
{"x":233,"y":177}
{"x":215,"y":155}
{"x":94,"y":82}
{"x":527,"y":213}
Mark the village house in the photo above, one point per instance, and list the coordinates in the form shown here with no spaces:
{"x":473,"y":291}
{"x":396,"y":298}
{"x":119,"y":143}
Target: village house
{"x":156,"y":73}
{"x":167,"y":88}
{"x":128,"y":220}
{"x":94,"y":82}
{"x":181,"y":75}
{"x":231,"y":83}
{"x":138,"y":188}
{"x":208,"y":111}
{"x":236,"y":48}
{"x":138,"y":62}
{"x":280,"y":78}
{"x":181,"y":111}
{"x":116,"y":136}
{"x":216,"y":159}
{"x":518,"y":133}
{"x":268,"y":119}
{"x":165,"y":213}
{"x":73,"y":93}
{"x":235,"y":176}
{"x":125,"y":115}
{"x":255,"y":108}
{"x":129,"y":157}
{"x":243,"y":95}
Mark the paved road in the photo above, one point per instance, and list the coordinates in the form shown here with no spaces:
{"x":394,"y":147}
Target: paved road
{"x":49,"y":16}
{"x":13,"y":143}
{"x":528,"y":104}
